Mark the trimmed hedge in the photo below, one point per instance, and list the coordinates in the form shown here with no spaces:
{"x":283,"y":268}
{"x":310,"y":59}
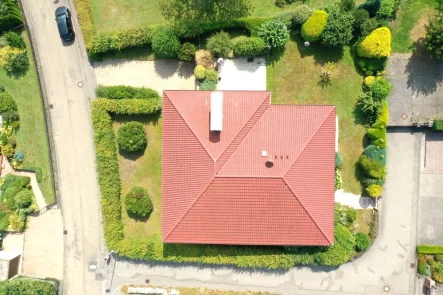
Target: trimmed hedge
{"x":116,"y":41}
{"x":429,"y":249}
{"x":438,"y":125}
{"x":314,"y":26}
{"x":248,"y":46}
{"x":28,"y":286}
{"x":362,"y":241}
{"x":376,"y":45}
{"x":84,"y":13}
{"x":126,"y":92}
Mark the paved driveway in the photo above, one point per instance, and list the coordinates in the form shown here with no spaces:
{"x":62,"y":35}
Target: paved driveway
{"x":159,"y":75}
{"x":417,"y":89}
{"x":63,"y":66}
{"x":241,"y":74}
{"x":387,"y":263}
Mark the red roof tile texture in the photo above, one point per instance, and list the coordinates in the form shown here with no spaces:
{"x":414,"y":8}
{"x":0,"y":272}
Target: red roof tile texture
{"x":219,"y":189}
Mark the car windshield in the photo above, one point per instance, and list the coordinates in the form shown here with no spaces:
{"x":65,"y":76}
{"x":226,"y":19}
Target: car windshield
{"x":61,"y":16}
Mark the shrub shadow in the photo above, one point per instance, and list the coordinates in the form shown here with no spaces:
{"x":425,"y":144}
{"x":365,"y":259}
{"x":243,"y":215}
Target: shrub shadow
{"x":359,"y":117}
{"x":139,"y":218}
{"x":321,"y":54}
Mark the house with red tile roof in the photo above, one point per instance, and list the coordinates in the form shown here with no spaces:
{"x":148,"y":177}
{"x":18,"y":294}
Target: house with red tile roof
{"x":237,"y":170}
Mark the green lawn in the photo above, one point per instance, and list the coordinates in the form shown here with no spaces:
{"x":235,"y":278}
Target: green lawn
{"x":410,"y":15}
{"x":143,"y":169}
{"x":111,"y":15}
{"x":31,"y":137}
{"x":294,"y":80}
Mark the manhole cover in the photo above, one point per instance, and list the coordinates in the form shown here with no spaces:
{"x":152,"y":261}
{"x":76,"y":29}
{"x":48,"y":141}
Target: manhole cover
{"x":386,"y":288}
{"x":80,"y":84}
{"x":404,"y":116}
{"x":92,"y":266}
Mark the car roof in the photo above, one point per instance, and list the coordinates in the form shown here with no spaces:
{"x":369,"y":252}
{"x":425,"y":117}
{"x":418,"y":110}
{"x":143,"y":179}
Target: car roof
{"x":61,"y":10}
{"x":62,"y":26}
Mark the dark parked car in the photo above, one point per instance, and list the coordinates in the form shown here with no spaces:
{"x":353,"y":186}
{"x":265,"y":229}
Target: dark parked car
{"x":64,"y":23}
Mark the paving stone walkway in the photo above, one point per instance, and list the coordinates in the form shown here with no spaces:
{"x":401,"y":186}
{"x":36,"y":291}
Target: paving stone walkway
{"x":241,"y":74}
{"x":354,"y":201}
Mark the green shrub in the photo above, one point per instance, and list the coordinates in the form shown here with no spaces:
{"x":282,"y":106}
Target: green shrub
{"x":11,"y":16}
{"x":340,"y":252}
{"x":28,"y":286}
{"x":17,"y":63}
{"x":4,"y":221}
{"x":371,"y":6}
{"x":381,"y":88}
{"x":7,"y":103}
{"x":119,"y":40}
{"x":374,"y":190}
{"x":434,"y":37}
{"x":437,"y":272}
{"x":275,"y":34}
{"x":248,"y":46}
{"x":132,"y":137}
{"x":84,"y":14}
{"x":362,"y":242}
{"x":208,"y":85}
{"x":220,"y":44}
{"x":314,"y":26}
{"x":369,"y":25}
{"x":345,"y":216}
{"x":369,"y":106}
{"x":338,"y":29}
{"x":360,"y":17}
{"x":377,"y":132}
{"x":211,"y":75}
{"x":24,"y":198}
{"x":187,"y":51}
{"x":438,"y":257}
{"x":386,"y":10}
{"x":126,"y":92}
{"x":16,"y":223}
{"x":300,"y":16}
{"x":347,"y":5}
{"x":371,"y":65}
{"x":14,"y":40}
{"x":369,"y":181}
{"x":438,"y":125}
{"x":337,"y":179}
{"x":429,"y":249}
{"x":376,"y":45}
{"x":375,"y":153}
{"x":383,"y":114}
{"x":200,"y":72}
{"x":372,"y":168}
{"x":19,"y":156}
{"x":422,"y":268}
{"x":138,"y":202}
{"x":165,"y":43}
{"x":338,"y":160}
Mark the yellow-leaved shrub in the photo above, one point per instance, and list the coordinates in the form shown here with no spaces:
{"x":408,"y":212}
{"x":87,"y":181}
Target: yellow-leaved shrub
{"x":314,"y":26}
{"x":376,"y":45}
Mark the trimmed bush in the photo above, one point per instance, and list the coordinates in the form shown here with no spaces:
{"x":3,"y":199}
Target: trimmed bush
{"x":338,"y":160}
{"x":24,"y":198}
{"x":28,"y":286}
{"x":360,"y":17}
{"x":377,"y":132}
{"x":17,"y":63}
{"x":208,"y":85}
{"x":383,"y":114}
{"x":422,"y":268}
{"x":372,"y":168}
{"x":386,"y":10}
{"x":429,"y":249}
{"x":300,"y":16}
{"x":4,"y":221}
{"x":14,"y":40}
{"x":438,"y":125}
{"x":369,"y":181}
{"x":368,"y":81}
{"x":340,"y":252}
{"x":84,"y":14}
{"x":374,"y":190}
{"x":19,"y":156}
{"x":437,"y":272}
{"x":381,"y":88}
{"x":187,"y":51}
{"x":376,"y":45}
{"x":362,"y":242}
{"x":7,"y":103}
{"x":314,"y":26}
{"x":219,"y":44}
{"x":117,"y":41}
{"x":344,"y":215}
{"x":200,"y":72}
{"x":375,"y":153}
{"x":338,"y":29}
{"x":11,"y":16}
{"x":138,"y":202}
{"x":275,"y":34}
{"x":165,"y":43}
{"x":248,"y":46}
{"x":211,"y":75}
{"x":126,"y":92}
{"x":369,"y":106}
{"x":132,"y":137}
{"x":370,"y":66}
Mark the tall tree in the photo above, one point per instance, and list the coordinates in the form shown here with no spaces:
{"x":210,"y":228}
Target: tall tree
{"x":210,"y":10}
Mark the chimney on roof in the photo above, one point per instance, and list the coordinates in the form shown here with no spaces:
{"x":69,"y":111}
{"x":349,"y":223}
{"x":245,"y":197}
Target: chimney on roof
{"x":216,"y":111}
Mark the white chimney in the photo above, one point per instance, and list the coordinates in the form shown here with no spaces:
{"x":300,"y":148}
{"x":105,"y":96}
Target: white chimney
{"x":216,"y":111}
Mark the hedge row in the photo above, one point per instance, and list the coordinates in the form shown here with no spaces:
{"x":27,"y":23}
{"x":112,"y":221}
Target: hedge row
{"x":429,"y":249}
{"x":107,"y":162}
{"x":126,"y":92}
{"x":84,"y":12}
{"x":438,"y":125}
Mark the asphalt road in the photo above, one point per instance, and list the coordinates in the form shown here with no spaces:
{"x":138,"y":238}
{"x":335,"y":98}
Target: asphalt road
{"x":68,"y":81}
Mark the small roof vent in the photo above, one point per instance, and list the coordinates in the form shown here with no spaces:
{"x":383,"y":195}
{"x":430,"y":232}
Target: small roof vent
{"x":216,"y":111}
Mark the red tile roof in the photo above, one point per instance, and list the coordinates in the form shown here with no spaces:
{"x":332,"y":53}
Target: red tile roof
{"x":219,"y":189}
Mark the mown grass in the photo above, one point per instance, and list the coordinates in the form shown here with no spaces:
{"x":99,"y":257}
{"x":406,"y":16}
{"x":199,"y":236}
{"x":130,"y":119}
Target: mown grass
{"x":294,"y":79}
{"x":407,"y":17}
{"x":32,"y":136}
{"x":144,"y":170}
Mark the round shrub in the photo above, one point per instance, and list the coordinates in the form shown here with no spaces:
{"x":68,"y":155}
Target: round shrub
{"x":372,"y":65}
{"x":376,"y":45}
{"x":434,"y":37}
{"x":338,"y":29}
{"x":132,"y":137}
{"x":368,"y":81}
{"x":248,"y":46}
{"x":14,"y":40}
{"x":275,"y":34}
{"x":220,"y":44}
{"x":362,"y":242}
{"x":211,"y":75}
{"x":375,"y":153}
{"x":187,"y":51}
{"x":338,"y":160}
{"x":208,"y":85}
{"x":7,"y":103}
{"x":437,"y":273}
{"x":17,"y":63}
{"x":314,"y":26}
{"x":374,"y":190}
{"x":381,"y":88}
{"x":138,"y":202}
{"x":372,"y":168}
{"x":301,"y":15}
{"x":19,"y":156}
{"x":24,"y":198}
{"x":369,"y":25}
{"x":200,"y":72}
{"x":360,"y":16}
{"x":165,"y":43}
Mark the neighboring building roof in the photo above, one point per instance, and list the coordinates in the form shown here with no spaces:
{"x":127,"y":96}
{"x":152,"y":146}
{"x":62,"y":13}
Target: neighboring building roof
{"x":221,"y":188}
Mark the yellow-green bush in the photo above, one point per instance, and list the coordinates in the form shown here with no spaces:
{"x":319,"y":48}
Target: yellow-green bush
{"x":314,"y":26}
{"x":84,"y":14}
{"x":368,"y":81}
{"x":200,"y":72}
{"x":374,"y":190}
{"x":383,"y":114}
{"x":376,"y":45}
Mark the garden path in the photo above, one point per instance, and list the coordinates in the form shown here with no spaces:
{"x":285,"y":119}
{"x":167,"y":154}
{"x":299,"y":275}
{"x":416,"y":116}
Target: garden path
{"x":7,"y":169}
{"x":354,"y":201}
{"x":241,"y":74}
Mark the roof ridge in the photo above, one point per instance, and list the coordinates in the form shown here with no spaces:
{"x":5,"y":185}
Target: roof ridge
{"x":307,"y":212}
{"x":189,"y":127}
{"x":252,"y":115}
{"x":189,"y":209}
{"x":308,"y":142}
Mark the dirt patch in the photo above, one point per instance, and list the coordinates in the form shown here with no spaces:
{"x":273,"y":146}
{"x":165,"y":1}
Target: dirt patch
{"x":419,"y":31}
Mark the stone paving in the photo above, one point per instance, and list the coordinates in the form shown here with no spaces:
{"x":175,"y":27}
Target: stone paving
{"x":241,"y":74}
{"x":417,"y":90}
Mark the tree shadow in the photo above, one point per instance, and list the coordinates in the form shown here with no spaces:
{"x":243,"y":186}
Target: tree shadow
{"x":274,"y":56}
{"x":321,"y":54}
{"x":133,"y":156}
{"x":139,"y":218}
{"x":359,"y":117}
{"x":166,"y":68}
{"x":424,"y":75}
